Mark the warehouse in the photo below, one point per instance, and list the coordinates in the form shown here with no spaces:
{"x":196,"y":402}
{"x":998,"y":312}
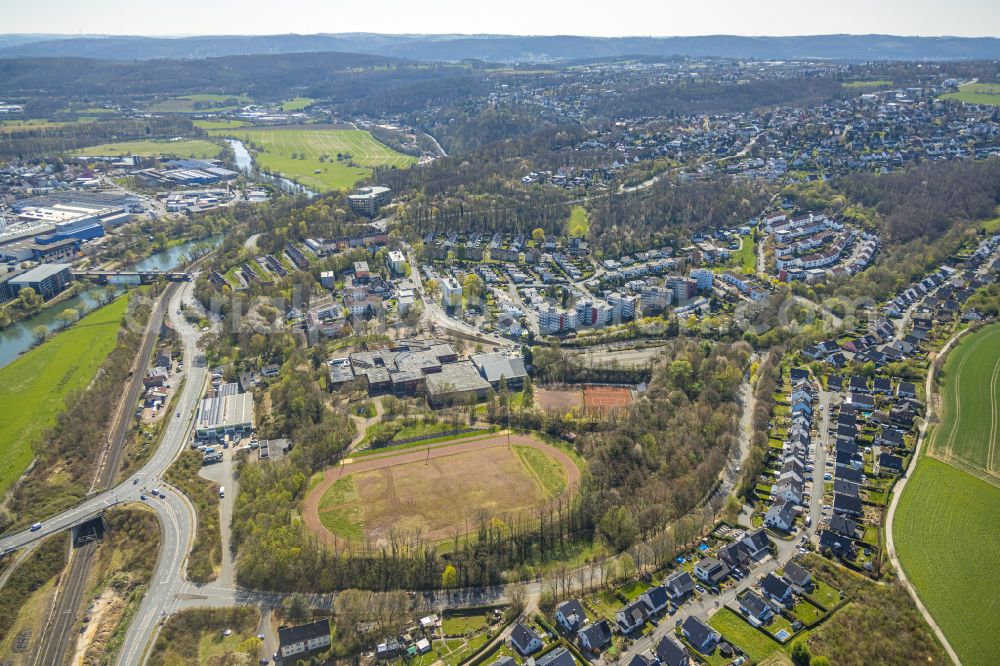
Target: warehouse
{"x":229,"y":412}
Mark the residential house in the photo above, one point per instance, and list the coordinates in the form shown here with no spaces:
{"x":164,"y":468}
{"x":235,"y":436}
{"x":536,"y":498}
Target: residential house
{"x":846,"y":505}
{"x":906,"y":390}
{"x":775,"y":588}
{"x":781,"y":516}
{"x":643,"y":660}
{"x":883,"y":386}
{"x":679,"y":585}
{"x":558,"y":657}
{"x":755,"y":608}
{"x":700,"y":635}
{"x":836,"y":543}
{"x":844,"y":526}
{"x":303,"y":638}
{"x":570,"y":615}
{"x":671,"y":653}
{"x":798,"y":578}
{"x":711,"y":571}
{"x":525,"y":640}
{"x":655,"y":599}
{"x":890,"y":463}
{"x":595,"y":637}
{"x":632,"y":616}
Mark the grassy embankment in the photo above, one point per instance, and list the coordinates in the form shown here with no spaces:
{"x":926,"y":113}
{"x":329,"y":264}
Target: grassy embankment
{"x":24,"y":599}
{"x":34,"y":387}
{"x":206,"y":553}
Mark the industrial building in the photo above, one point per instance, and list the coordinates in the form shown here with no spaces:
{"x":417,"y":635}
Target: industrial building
{"x":186,"y":173}
{"x":493,"y":366}
{"x":228,"y":412}
{"x":47,"y":280}
{"x":367,"y":200}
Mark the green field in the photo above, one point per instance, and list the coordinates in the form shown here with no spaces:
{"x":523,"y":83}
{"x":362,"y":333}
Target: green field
{"x":194,"y":148}
{"x":31,"y":124}
{"x":548,"y":473}
{"x":204,"y":103}
{"x":309,"y":143}
{"x":947,"y":533}
{"x":578,"y":223}
{"x":33,"y":388}
{"x":969,"y":431}
{"x":876,"y":83}
{"x":218,"y":124}
{"x":297,"y":103}
{"x":745,"y":259}
{"x":735,"y":630}
{"x":977,"y":93}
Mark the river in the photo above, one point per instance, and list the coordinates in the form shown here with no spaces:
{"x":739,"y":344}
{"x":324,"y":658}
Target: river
{"x":244,"y":162}
{"x":18,"y":338}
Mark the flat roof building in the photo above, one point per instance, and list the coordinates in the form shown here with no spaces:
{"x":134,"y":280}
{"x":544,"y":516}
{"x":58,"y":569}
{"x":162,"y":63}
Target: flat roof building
{"x":47,"y":280}
{"x":456,"y":383}
{"x":367,"y":200}
{"x":229,"y":412}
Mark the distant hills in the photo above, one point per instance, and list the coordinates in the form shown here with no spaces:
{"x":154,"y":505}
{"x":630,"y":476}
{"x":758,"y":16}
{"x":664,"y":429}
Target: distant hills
{"x":507,"y":48}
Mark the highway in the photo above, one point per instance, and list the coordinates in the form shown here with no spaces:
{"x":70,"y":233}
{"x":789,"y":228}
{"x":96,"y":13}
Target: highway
{"x":175,"y":511}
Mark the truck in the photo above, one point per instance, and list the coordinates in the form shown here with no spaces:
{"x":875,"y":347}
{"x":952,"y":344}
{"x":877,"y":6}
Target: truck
{"x":222,"y":491}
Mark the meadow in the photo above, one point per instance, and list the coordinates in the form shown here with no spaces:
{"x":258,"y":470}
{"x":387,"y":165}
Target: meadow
{"x":193,"y":148}
{"x":578,"y":223}
{"x":276,"y":147}
{"x":202,"y":103}
{"x":968,"y":433}
{"x":34,"y":387}
{"x":977,"y":93}
{"x":947,"y":533}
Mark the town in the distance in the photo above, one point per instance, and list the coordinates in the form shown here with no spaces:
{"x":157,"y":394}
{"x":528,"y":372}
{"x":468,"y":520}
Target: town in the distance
{"x":426,"y":350}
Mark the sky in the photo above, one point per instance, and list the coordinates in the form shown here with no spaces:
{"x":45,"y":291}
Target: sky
{"x":974,"y":18}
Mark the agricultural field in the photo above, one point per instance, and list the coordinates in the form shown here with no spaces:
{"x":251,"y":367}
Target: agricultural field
{"x":421,"y":488}
{"x":34,"y":387}
{"x":192,"y":148}
{"x":307,"y":154}
{"x":947,"y":533}
{"x":977,"y":93}
{"x":968,"y":434}
{"x":205,"y":103}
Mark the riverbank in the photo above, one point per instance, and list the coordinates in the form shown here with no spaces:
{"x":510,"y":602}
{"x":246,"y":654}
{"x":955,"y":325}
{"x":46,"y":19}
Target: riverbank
{"x":34,"y":387}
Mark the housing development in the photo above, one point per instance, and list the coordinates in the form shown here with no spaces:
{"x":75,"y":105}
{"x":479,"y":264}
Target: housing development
{"x":517,"y":351}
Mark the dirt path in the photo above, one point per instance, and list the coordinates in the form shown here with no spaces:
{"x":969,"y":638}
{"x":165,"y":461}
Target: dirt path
{"x":363,"y":422}
{"x":419,"y":454}
{"x":897,"y":492}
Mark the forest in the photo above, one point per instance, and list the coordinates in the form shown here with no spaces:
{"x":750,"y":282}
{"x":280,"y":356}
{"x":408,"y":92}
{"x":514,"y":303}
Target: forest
{"x":62,"y":138}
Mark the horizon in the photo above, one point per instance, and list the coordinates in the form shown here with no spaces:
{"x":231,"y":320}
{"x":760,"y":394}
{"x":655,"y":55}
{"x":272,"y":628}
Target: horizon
{"x":777,"y":18}
{"x":461,"y":35}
